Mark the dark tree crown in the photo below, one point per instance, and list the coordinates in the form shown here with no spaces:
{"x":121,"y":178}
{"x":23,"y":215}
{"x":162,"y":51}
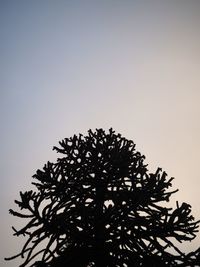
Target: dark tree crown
{"x":99,"y":206}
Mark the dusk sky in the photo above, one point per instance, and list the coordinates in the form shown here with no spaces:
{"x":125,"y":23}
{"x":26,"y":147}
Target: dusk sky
{"x":69,"y":66}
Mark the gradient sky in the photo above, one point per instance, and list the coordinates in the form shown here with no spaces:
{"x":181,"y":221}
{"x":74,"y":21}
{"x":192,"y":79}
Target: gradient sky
{"x":68,"y":66}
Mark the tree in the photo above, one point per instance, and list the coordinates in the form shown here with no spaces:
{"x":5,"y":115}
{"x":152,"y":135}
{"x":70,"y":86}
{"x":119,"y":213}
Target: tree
{"x":99,"y":206}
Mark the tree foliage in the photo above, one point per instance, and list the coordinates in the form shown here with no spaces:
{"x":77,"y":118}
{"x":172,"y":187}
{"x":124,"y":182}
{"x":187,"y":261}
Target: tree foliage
{"x":99,"y":206}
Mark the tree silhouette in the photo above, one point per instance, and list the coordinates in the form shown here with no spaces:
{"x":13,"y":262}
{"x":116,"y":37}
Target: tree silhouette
{"x":99,"y":206}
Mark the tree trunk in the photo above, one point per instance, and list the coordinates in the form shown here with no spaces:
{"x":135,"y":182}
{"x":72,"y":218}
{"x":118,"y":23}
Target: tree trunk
{"x":100,"y":257}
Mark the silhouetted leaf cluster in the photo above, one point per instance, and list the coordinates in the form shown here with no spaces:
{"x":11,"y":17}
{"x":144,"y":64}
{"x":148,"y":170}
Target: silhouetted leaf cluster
{"x":99,"y":206}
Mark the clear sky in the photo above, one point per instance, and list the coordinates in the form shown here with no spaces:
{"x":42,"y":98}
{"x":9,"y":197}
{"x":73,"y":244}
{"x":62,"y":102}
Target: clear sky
{"x":68,"y":66}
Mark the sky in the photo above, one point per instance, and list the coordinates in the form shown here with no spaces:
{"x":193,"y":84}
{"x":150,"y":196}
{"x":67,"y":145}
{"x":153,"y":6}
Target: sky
{"x":69,"y":66}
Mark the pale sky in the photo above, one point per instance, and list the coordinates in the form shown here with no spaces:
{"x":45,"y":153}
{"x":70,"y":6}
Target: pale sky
{"x":68,"y":66}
